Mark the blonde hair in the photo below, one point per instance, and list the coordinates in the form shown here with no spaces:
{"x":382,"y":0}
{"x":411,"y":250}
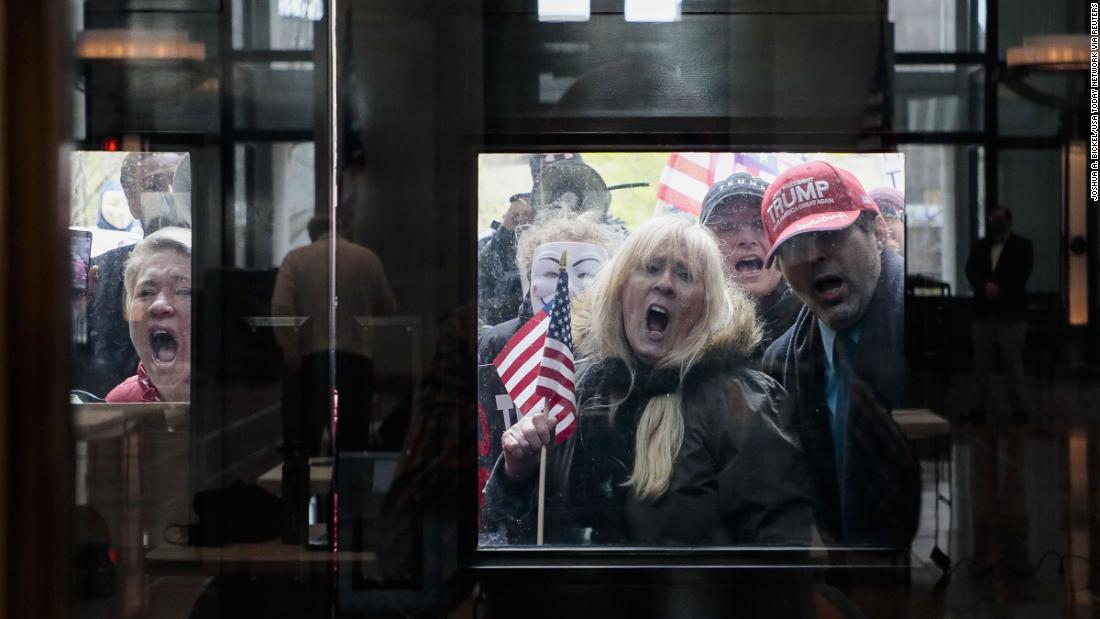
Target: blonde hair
{"x":557,"y":226}
{"x":728,"y":322}
{"x":165,"y":239}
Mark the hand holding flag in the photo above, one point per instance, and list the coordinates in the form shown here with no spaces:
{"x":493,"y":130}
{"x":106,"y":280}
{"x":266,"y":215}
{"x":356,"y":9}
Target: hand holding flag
{"x":537,"y":369}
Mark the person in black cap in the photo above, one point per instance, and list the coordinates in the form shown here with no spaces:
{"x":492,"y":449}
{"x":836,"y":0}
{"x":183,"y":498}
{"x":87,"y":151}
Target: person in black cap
{"x":731,"y":210}
{"x":558,"y":181}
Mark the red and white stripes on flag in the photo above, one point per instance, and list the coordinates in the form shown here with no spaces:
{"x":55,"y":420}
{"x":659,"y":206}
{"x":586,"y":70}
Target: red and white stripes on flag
{"x":520,"y":361}
{"x":686,"y":177}
{"x":536,"y":365}
{"x":556,"y":378}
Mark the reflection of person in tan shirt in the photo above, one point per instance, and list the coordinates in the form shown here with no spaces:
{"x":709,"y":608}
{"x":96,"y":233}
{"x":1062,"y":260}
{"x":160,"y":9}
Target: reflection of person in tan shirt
{"x":302,"y":290}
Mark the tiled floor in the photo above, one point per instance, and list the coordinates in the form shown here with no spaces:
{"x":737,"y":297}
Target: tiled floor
{"x":1020,"y":521}
{"x":1022,"y":525}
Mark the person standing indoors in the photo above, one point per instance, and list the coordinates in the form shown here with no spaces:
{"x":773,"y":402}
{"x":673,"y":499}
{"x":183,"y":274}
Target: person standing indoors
{"x":302,"y":290}
{"x":731,"y":210}
{"x":998,"y":268}
{"x":843,"y":359}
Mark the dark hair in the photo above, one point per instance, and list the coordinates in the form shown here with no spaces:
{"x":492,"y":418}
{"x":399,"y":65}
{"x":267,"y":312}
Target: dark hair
{"x":132,"y":173}
{"x":1008,"y":213}
{"x":129,"y":174}
{"x":318,"y":225}
{"x":867,"y":219}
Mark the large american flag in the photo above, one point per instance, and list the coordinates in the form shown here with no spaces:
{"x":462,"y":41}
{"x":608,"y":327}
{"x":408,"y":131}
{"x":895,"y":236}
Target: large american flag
{"x":686,"y":177}
{"x":536,"y":365}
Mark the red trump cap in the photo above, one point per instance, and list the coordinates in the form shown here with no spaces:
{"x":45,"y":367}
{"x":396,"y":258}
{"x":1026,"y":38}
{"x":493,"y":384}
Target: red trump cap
{"x":811,"y":197}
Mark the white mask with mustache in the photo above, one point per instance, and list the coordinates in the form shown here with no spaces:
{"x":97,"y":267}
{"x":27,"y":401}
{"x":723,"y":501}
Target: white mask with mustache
{"x":584,"y":261}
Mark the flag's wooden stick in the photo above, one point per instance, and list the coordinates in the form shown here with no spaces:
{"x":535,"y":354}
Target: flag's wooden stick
{"x":542,"y":494}
{"x":562,"y":265}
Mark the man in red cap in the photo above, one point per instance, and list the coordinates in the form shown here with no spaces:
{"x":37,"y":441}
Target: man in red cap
{"x":842,"y":360}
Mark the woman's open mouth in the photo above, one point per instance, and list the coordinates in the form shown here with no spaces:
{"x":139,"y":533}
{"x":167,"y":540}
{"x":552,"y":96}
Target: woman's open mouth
{"x":829,"y":288}
{"x":656,"y":321}
{"x":164,"y":345}
{"x":749,"y":265}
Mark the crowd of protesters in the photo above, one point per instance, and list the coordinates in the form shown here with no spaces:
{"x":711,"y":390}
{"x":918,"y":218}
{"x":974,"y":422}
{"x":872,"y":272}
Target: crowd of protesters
{"x":735,"y":376}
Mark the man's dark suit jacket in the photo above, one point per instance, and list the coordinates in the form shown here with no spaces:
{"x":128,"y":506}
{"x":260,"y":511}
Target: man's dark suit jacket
{"x":108,"y":357}
{"x":1013,"y":269}
{"x":881,"y":499}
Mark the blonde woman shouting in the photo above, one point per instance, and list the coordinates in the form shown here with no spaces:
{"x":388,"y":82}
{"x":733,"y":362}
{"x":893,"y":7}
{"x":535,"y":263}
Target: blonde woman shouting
{"x":679,"y":442}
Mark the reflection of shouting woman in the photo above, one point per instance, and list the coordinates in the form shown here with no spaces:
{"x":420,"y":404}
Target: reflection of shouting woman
{"x":157,"y":284}
{"x":678,"y":441}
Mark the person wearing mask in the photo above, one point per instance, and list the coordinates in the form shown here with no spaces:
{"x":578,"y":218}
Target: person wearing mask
{"x":589,"y":243}
{"x":561,"y":182}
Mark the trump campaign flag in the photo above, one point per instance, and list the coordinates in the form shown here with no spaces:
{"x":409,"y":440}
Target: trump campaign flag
{"x":536,"y":365}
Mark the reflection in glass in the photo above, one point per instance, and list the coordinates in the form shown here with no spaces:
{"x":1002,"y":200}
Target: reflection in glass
{"x":275,"y":24}
{"x":618,"y":409}
{"x":938,"y":25}
{"x":118,"y":199}
{"x":938,"y":98}
{"x":940,"y":182}
{"x":273,"y":200}
{"x":292,"y":109}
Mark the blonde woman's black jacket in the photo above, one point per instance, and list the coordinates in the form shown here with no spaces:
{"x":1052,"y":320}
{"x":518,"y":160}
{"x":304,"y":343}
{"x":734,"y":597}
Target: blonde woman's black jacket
{"x":880,"y":504}
{"x":738,"y":478}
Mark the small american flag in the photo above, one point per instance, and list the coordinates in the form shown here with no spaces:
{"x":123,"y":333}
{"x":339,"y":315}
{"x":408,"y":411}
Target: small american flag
{"x":521,"y":359}
{"x":536,"y":364}
{"x":556,"y":376}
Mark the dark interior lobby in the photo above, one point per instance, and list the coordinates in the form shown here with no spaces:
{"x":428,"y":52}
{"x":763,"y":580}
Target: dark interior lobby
{"x":306,"y":432}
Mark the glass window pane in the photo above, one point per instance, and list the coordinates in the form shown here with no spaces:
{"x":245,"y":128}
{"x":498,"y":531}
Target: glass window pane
{"x":1037,"y":210}
{"x":941,"y":190}
{"x":146,"y":71}
{"x":1032,"y":104}
{"x":275,"y":24}
{"x":938,"y":25}
{"x":608,"y":68}
{"x":938,"y":98}
{"x":322,"y":462}
{"x":274,"y":196}
{"x":255,"y":108}
{"x":1026,"y":19}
